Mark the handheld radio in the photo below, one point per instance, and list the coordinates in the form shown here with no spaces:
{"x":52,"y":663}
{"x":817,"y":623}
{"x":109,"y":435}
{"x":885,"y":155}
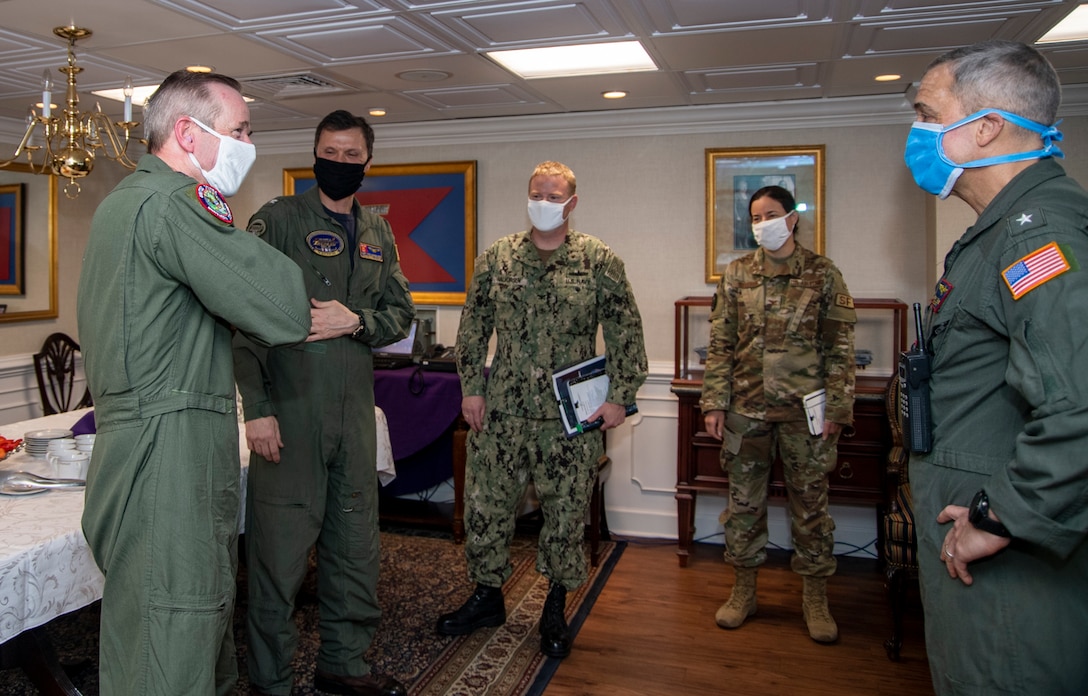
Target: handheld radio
{"x":914,"y":414}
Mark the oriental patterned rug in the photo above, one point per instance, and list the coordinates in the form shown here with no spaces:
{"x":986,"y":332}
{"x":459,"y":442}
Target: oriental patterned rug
{"x":423,"y":575}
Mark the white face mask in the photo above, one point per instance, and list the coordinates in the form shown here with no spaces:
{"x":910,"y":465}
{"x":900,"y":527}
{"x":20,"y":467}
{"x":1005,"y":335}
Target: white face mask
{"x":771,"y":234}
{"x":231,"y":164}
{"x":546,"y":215}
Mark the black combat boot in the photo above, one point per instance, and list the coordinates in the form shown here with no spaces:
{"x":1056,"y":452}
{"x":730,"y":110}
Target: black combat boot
{"x":484,"y":608}
{"x":554,"y":634}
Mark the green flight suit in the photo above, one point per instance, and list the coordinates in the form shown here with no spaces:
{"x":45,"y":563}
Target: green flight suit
{"x":164,"y":278}
{"x":325,"y":487}
{"x":1009,"y":398}
{"x":545,"y":316}
{"x":779,"y":330}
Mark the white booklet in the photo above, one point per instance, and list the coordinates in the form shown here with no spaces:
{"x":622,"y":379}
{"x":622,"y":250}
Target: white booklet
{"x":580,"y":390}
{"x":814,"y":410}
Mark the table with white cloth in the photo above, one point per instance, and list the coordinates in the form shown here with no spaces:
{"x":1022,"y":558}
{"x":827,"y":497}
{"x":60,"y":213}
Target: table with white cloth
{"x":46,"y":566}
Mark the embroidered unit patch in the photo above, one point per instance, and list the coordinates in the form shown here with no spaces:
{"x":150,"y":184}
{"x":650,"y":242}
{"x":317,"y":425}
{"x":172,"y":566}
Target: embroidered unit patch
{"x":1035,"y":269}
{"x":842,"y":300}
{"x":213,"y":202}
{"x":944,"y":288}
{"x":325,"y":243}
{"x":371,"y":251}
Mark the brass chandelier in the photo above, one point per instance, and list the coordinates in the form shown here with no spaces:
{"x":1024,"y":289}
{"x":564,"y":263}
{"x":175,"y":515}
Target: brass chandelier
{"x":72,"y":140}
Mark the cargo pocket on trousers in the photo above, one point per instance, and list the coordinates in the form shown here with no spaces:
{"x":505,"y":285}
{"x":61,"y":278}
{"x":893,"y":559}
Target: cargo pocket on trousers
{"x":189,"y":632}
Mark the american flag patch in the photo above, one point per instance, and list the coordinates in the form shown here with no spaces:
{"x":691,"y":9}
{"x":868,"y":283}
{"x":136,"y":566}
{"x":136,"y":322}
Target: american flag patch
{"x":1035,"y":269}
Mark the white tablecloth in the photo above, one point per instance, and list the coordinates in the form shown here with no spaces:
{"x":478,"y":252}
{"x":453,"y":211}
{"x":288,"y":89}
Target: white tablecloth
{"x":46,"y":567}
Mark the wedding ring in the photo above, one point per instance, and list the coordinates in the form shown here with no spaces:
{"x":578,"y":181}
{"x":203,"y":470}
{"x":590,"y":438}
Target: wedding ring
{"x":945,"y":552}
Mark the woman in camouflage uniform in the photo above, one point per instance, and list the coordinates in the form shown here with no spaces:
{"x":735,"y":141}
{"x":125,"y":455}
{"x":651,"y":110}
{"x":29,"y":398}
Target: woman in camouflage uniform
{"x":782,"y":326}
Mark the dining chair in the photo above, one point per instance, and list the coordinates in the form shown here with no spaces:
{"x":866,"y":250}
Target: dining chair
{"x":55,"y":368}
{"x":900,"y":542}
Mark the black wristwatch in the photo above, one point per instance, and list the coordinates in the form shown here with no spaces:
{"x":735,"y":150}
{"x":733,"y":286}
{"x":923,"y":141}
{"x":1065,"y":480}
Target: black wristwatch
{"x":979,"y":516}
{"x":360,"y":332}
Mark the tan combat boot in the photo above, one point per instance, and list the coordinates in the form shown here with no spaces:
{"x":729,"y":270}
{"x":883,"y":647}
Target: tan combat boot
{"x":742,"y":602}
{"x":821,"y":627}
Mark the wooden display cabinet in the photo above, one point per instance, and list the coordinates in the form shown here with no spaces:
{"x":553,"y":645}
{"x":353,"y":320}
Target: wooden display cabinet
{"x":859,"y":476}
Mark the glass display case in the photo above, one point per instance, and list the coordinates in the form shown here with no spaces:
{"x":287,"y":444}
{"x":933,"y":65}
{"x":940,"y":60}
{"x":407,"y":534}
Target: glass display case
{"x":692,"y":336}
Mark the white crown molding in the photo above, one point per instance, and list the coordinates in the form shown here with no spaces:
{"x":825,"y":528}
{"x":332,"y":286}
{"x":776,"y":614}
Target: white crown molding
{"x":720,"y":118}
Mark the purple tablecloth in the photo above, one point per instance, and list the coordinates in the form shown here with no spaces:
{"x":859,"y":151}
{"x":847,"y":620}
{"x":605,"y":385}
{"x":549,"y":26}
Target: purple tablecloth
{"x":420,"y":406}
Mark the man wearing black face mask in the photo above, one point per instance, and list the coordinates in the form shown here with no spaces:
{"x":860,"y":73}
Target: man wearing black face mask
{"x":309,"y":413}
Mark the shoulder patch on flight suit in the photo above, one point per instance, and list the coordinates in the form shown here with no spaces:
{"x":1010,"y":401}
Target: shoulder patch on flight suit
{"x":371,"y":251}
{"x":940,"y":294}
{"x":1031,"y":271}
{"x":844,"y":300}
{"x":213,"y":202}
{"x":1025,"y":220}
{"x":257,"y":227}
{"x":325,"y":243}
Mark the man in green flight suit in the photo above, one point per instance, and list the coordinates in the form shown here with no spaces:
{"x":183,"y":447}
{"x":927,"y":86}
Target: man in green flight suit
{"x":543,"y":293}
{"x":164,"y":277}
{"x":310,"y":424}
{"x":1001,"y":496}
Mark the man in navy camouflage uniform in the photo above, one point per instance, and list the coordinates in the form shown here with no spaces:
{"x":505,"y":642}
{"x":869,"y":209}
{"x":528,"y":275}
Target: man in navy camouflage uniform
{"x":543,"y":293}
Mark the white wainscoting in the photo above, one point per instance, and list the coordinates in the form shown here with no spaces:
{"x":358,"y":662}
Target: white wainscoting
{"x":19,"y":398}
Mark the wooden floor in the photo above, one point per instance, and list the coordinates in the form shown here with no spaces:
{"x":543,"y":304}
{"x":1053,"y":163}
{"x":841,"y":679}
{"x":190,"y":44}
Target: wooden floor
{"x":652,"y":632}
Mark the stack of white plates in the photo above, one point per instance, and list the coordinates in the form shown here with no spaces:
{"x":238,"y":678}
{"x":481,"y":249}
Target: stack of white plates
{"x":36,"y":442}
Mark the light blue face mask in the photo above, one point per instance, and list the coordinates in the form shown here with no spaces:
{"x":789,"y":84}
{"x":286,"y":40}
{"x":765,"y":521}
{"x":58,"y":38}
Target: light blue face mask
{"x":936,"y":174}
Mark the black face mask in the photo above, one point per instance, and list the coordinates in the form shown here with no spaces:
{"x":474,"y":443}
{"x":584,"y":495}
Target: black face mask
{"x":338,"y":180}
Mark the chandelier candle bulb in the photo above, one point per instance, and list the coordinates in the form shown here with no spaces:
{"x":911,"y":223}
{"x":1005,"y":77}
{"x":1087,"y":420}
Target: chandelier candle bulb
{"x":47,"y":93}
{"x":128,"y":99}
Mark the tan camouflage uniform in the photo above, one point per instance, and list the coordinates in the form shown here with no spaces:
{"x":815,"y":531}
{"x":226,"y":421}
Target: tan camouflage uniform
{"x":545,"y":316}
{"x":779,"y":330}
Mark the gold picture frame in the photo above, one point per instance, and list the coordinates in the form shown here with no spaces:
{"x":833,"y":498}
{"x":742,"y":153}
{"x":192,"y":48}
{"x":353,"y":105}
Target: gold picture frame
{"x":432,"y":210}
{"x":37,"y":296}
{"x":734,"y":174}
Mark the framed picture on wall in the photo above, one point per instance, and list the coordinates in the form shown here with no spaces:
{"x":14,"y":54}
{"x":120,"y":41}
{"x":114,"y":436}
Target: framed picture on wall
{"x":432,"y":210}
{"x":28,"y":244}
{"x":733,"y":175}
{"x":11,"y":239}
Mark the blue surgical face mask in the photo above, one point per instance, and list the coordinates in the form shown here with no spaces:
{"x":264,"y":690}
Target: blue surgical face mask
{"x":935,"y":173}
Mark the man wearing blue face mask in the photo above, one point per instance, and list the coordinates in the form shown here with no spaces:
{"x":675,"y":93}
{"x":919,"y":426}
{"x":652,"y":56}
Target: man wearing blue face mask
{"x":310,"y":427}
{"x":1001,"y":500}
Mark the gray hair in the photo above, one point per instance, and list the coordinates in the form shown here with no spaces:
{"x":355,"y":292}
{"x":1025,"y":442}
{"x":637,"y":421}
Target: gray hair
{"x":1004,"y":75}
{"x":183,"y":93}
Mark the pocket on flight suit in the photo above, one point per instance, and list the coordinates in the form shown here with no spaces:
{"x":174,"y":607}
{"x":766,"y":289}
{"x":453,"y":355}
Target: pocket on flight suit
{"x":186,"y":639}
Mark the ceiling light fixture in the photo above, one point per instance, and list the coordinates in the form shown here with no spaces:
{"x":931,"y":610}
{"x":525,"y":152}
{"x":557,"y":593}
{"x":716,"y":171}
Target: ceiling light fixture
{"x":890,"y":77}
{"x":1073,"y":28}
{"x":614,"y":94}
{"x":377,"y":112}
{"x":581,"y":59}
{"x":72,"y":140}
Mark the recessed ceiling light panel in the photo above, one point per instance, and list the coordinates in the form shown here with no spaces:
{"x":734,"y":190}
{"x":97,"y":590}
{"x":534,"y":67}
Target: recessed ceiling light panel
{"x":581,"y":59}
{"x":1073,"y":28}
